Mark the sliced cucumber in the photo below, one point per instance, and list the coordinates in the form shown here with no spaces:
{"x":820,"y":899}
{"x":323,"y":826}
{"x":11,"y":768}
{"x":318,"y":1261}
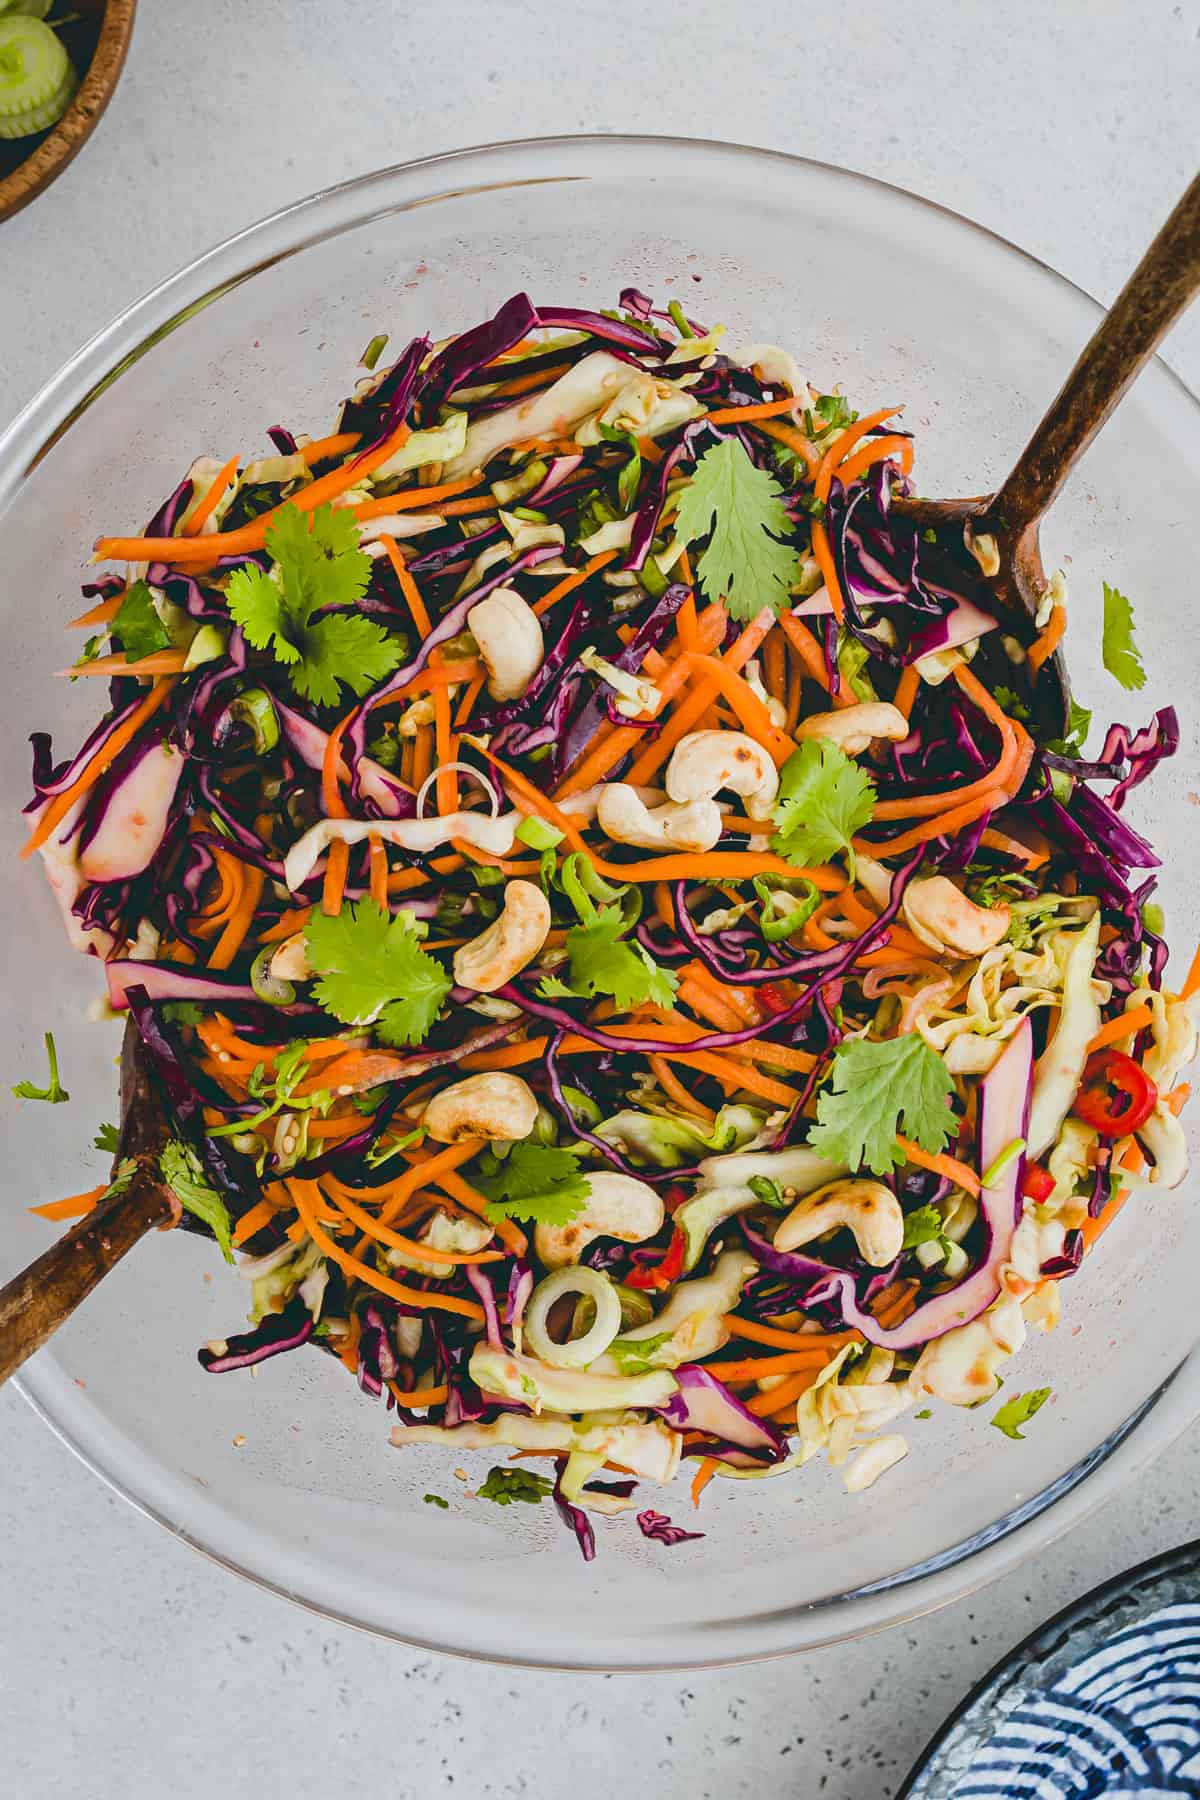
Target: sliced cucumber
{"x":37,"y":81}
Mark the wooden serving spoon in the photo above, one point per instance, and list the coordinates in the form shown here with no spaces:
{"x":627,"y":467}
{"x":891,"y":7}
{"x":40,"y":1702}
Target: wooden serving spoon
{"x":36,"y":1302}
{"x":1160,"y":289}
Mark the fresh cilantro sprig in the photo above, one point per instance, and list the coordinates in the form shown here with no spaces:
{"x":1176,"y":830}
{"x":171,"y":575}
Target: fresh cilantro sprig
{"x":925,"y":1226}
{"x":1018,"y":1411}
{"x":184,"y":1175}
{"x":506,"y":1485}
{"x":824,"y":798}
{"x":317,"y":564}
{"x":55,"y":1093}
{"x":108,"y":1139}
{"x":1122,"y":657}
{"x":539,"y":1183}
{"x":740,"y":509}
{"x":137,"y":624}
{"x":877,"y":1090}
{"x":602,"y":961}
{"x":373,"y":971}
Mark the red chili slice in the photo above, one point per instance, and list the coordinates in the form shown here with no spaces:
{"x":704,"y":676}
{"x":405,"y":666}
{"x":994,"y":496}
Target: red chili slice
{"x":1039,"y":1183}
{"x":1116,"y":1095}
{"x":661,"y":1274}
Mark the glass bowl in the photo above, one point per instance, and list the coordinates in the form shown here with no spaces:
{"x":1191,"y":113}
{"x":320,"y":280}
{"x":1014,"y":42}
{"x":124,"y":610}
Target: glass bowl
{"x":286,"y":1475}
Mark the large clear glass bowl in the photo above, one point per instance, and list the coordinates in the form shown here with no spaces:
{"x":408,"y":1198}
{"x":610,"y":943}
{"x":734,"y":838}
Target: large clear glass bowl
{"x":898,"y":301}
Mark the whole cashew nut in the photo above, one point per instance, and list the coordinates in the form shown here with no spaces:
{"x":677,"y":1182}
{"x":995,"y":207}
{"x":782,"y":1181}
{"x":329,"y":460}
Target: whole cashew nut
{"x":290,"y":962}
{"x":854,"y":727}
{"x":624,"y":816}
{"x":962,"y":1366}
{"x":867,"y":1208}
{"x":704,"y":762}
{"x":509,"y":944}
{"x":618,"y":1206}
{"x":509,"y":635}
{"x":941,"y":916}
{"x":492,"y":1105}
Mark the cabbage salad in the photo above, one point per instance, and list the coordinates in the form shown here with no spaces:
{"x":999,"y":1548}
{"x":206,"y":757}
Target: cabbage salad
{"x":631,"y":979}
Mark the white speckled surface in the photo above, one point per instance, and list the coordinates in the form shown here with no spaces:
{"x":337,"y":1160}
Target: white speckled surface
{"x":129,"y":1667}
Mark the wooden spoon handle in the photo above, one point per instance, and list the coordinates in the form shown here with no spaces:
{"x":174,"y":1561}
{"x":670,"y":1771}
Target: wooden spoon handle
{"x":1162,"y":286}
{"x":37,"y":1301}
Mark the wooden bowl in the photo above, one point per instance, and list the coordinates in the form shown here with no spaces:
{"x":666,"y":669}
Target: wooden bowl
{"x":96,"y":41}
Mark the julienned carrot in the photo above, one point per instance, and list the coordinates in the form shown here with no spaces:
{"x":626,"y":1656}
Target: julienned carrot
{"x":189,"y":552}
{"x":1091,"y":1229}
{"x":570,"y":582}
{"x":337,"y":868}
{"x":408,"y":587}
{"x":1191,"y":981}
{"x":779,"y":1400}
{"x":1043,"y":647}
{"x":1125,"y":1025}
{"x":786,"y":1340}
{"x":949,"y":1166}
{"x":843,"y":444}
{"x":466,"y":705}
{"x":96,"y":765}
{"x":753,"y":1368}
{"x":823,"y":557}
{"x":510,"y":1235}
{"x":734,"y":1077}
{"x":377,"y":871}
{"x":253,"y":1221}
{"x":233,"y":936}
{"x":444,"y":750}
{"x":795,"y":441}
{"x":867,"y":455}
{"x":674,"y":1089}
{"x":101,"y":614}
{"x":750,"y":415}
{"x":427,"y":1169}
{"x":289,"y":924}
{"x":74,"y":1207}
{"x":331,"y":772}
{"x":158,"y":662}
{"x":709,"y":1006}
{"x":1002,"y":780}
{"x":702,"y":1477}
{"x":426,"y":499}
{"x":306,"y":1197}
{"x":1178,"y":1097}
{"x":326,"y":448}
{"x":385,"y":1235}
{"x":193,"y":525}
{"x":907,"y":689}
{"x":526,"y":384}
{"x":801,"y":640}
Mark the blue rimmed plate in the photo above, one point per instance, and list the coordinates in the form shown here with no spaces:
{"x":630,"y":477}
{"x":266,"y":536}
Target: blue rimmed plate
{"x":1104,"y":1701}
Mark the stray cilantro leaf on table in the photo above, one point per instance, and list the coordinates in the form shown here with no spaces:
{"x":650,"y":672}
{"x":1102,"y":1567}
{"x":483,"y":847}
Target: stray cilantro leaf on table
{"x":317,"y":564}
{"x":740,"y":509}
{"x":602,"y":961}
{"x":436,"y":1500}
{"x":824,"y":798}
{"x":1122,"y":658}
{"x":539,"y":1183}
{"x":876,"y":1091}
{"x":108,"y":1139}
{"x":137,"y":625}
{"x":506,"y":1485}
{"x":55,"y":1093}
{"x":1018,"y":1411}
{"x":373,"y":971}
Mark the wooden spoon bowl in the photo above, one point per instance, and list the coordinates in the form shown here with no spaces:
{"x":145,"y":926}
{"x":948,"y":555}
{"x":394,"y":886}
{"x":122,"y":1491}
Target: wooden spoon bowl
{"x":96,"y":41}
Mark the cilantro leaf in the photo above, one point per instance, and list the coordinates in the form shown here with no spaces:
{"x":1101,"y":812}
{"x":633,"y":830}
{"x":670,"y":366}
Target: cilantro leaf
{"x":1078,"y":726}
{"x":740,"y":508}
{"x":317,"y":564}
{"x":924,"y":1226}
{"x":603,"y":962}
{"x":93,"y":647}
{"x":373,"y":971}
{"x":436,"y":1500}
{"x":183,"y":1012}
{"x":1018,"y":1411}
{"x":877,"y":1090}
{"x":1010,"y":702}
{"x":506,"y":1485}
{"x":184,"y":1175}
{"x":55,"y":1092}
{"x":138,"y":625}
{"x":108,"y":1139}
{"x":824,"y":798}
{"x":536,"y":1182}
{"x":1122,"y":658}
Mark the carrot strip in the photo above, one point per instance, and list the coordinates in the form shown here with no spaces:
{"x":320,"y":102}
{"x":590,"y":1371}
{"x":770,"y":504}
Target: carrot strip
{"x":420,"y":499}
{"x":753,"y":1368}
{"x":1095,"y":1228}
{"x":749,"y":415}
{"x":949,"y":1166}
{"x":74,"y":1207}
{"x":158,"y":662}
{"x":784,"y":434}
{"x":734,"y":1076}
{"x":867,"y":455}
{"x":253,"y":1221}
{"x":907,"y":689}
{"x":801,"y":640}
{"x":466,"y":705}
{"x":385,"y":1235}
{"x":702,"y":1477}
{"x":569,"y":582}
{"x":1043,"y":648}
{"x":324,"y":449}
{"x":779,"y":1401}
{"x":221,"y":480}
{"x":290,"y":923}
{"x":233,"y":936}
{"x":510,"y":1235}
{"x":377,"y":865}
{"x":428,"y":1169}
{"x":823,"y":556}
{"x":306,"y":1197}
{"x":1125,"y":1025}
{"x":674,"y":1089}
{"x":101,"y":614}
{"x":191,"y":551}
{"x":786,"y":1340}
{"x":842,"y":445}
{"x":58,"y":808}
{"x":1191,"y":980}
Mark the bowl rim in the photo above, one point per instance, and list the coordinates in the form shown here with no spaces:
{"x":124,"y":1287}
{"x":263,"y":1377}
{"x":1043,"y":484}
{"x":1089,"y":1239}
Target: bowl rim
{"x":59,"y":149}
{"x":51,"y":412}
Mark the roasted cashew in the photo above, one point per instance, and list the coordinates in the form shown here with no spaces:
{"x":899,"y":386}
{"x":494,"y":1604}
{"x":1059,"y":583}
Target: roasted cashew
{"x":962,"y":1366}
{"x":290,"y":962}
{"x":618,"y":1206}
{"x":485,"y":832}
{"x":704,"y":762}
{"x":867,"y":1209}
{"x":874,"y":1460}
{"x":941,"y":916}
{"x":853,"y":728}
{"x":624,"y":816}
{"x":509,"y":635}
{"x":491,"y":1105}
{"x":443,"y":1231}
{"x":509,"y":944}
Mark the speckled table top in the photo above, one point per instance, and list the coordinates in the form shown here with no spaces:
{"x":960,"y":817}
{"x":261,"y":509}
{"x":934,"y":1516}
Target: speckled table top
{"x":128,"y":1666}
